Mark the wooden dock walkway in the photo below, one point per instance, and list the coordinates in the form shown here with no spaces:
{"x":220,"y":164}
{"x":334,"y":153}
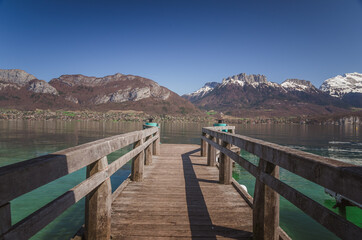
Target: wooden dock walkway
{"x":180,"y":197}
{"x":177,"y":191}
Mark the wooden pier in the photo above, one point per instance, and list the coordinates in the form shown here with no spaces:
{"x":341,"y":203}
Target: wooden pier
{"x":180,"y":197}
{"x":179,"y":191}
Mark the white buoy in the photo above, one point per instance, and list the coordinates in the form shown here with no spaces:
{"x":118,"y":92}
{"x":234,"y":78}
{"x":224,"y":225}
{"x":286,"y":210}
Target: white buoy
{"x":244,"y":187}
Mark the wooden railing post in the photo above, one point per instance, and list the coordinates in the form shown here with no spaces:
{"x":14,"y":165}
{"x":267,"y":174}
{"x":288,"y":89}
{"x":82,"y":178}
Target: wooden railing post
{"x":138,"y":163}
{"x":5,"y":218}
{"x":98,"y":205}
{"x":225,"y":166}
{"x":203,"y":146}
{"x":156,"y":144}
{"x":148,"y":153}
{"x":211,"y":153}
{"x":266,"y":205}
{"x":217,"y":152}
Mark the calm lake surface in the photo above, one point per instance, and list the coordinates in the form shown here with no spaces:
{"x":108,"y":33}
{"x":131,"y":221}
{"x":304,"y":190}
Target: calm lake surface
{"x":21,"y":140}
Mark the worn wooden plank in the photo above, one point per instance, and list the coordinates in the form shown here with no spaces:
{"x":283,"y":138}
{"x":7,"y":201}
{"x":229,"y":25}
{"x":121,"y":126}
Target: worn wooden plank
{"x":19,"y":178}
{"x":315,"y":168}
{"x":177,"y":238}
{"x":283,"y":235}
{"x":121,"y":187}
{"x":180,"y":197}
{"x":98,"y":205}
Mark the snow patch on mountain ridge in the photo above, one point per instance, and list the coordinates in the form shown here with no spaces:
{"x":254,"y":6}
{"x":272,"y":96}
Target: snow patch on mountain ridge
{"x":340,"y":85}
{"x":298,"y":85}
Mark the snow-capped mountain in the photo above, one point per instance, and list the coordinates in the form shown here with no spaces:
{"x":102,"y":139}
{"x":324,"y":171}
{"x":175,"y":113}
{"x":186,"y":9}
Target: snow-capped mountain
{"x":343,"y":84}
{"x":208,"y":87}
{"x":242,"y":79}
{"x":298,"y":85}
{"x":253,"y":95}
{"x":254,"y":80}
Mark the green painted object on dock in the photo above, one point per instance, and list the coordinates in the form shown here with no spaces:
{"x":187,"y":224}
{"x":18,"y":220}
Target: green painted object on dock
{"x":152,"y":124}
{"x":221,"y":125}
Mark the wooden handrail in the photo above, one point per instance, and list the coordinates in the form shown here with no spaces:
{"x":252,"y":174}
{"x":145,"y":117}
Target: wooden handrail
{"x":39,"y":171}
{"x":344,"y":178}
{"x":315,"y":168}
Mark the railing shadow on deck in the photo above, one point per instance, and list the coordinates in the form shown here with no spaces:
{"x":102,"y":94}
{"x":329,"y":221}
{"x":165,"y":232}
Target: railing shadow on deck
{"x":197,"y":208}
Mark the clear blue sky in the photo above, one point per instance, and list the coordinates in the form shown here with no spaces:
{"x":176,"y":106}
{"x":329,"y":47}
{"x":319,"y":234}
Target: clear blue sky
{"x":182,"y":44}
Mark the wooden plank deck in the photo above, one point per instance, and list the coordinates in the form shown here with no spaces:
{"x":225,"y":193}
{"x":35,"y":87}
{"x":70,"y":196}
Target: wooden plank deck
{"x":180,"y":198}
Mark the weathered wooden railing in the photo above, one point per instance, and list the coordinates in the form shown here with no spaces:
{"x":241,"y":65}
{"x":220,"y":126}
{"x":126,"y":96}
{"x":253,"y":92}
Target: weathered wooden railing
{"x":20,"y":178}
{"x":340,"y":177}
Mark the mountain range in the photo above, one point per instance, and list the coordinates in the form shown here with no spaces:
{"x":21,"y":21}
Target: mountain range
{"x":252,"y":95}
{"x":21,"y":90}
{"x":240,"y":95}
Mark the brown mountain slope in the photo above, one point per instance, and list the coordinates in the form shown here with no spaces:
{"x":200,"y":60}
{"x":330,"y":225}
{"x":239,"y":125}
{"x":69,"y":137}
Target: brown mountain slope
{"x":79,"y":92}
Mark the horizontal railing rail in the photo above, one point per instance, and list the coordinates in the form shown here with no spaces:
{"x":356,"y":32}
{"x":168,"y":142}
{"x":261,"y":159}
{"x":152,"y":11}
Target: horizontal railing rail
{"x":20,"y":178}
{"x":343,"y":178}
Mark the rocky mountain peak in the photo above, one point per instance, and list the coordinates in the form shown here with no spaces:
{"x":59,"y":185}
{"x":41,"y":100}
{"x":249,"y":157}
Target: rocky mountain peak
{"x":75,"y":80}
{"x":81,"y":80}
{"x":15,"y":76}
{"x":341,"y":85}
{"x":243,"y":78}
{"x":298,"y":85}
{"x":208,"y":87}
{"x":40,"y":86}
{"x":211,"y":84}
{"x":17,"y":79}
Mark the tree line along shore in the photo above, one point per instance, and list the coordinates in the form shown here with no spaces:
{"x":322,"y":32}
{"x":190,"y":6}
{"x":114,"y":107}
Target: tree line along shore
{"x":354,"y":118}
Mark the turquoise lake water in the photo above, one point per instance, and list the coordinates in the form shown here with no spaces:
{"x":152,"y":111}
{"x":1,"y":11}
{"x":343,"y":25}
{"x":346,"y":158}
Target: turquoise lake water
{"x":21,"y":140}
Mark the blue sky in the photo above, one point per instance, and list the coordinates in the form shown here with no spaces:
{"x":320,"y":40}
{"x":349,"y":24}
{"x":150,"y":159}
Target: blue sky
{"x":182,"y":44}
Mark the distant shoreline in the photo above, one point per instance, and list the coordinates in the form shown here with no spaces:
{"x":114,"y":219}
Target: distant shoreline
{"x":354,"y":118}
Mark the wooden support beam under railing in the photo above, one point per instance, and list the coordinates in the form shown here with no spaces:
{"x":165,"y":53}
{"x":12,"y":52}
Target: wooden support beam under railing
{"x":156,"y":149}
{"x":156,"y":144}
{"x":203,"y":151}
{"x":138,"y":164}
{"x":211,"y":153}
{"x":225,"y":166}
{"x":148,"y":153}
{"x":266,"y":205}
{"x":98,"y":205}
